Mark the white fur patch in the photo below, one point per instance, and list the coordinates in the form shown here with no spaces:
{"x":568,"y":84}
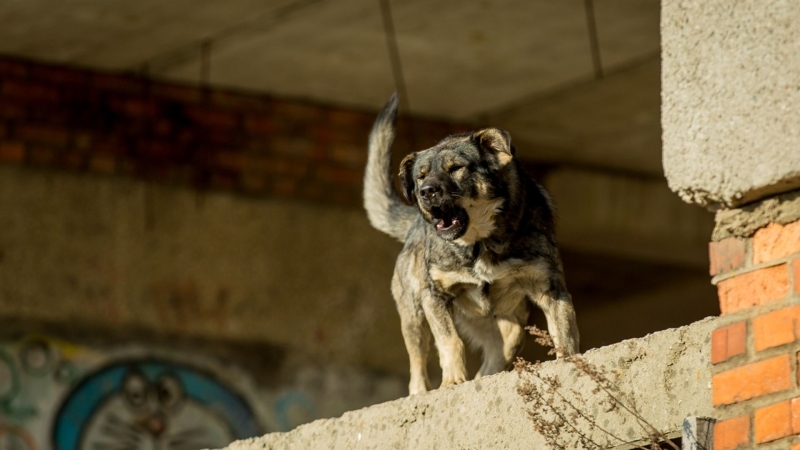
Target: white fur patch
{"x":481,"y":219}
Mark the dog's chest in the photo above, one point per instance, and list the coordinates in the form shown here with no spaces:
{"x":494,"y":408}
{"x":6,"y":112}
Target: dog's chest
{"x":483,"y":289}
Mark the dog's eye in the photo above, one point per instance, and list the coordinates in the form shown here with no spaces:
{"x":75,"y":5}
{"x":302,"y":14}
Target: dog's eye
{"x":455,"y":168}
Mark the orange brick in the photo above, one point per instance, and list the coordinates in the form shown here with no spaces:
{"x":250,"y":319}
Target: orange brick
{"x":773,"y":422}
{"x":796,"y":272}
{"x":776,"y":328}
{"x":796,"y":415}
{"x":776,"y":241}
{"x":732,"y":433}
{"x":753,"y":288}
{"x":727,"y":342}
{"x":12,"y":152}
{"x":752,"y":380}
{"x":727,"y":254}
{"x":796,"y":447}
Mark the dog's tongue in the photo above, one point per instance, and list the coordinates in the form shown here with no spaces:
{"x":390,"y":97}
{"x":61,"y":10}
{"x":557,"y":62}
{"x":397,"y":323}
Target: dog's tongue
{"x":444,"y":224}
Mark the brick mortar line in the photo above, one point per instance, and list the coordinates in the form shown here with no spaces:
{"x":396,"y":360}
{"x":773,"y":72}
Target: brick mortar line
{"x":748,"y":407}
{"x":753,"y":267}
{"x":759,"y":310}
{"x":751,"y":355}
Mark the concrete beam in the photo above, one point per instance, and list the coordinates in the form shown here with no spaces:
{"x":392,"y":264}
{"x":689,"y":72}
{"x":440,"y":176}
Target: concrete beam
{"x":667,"y":373}
{"x":628,"y":216}
{"x":731,"y":102}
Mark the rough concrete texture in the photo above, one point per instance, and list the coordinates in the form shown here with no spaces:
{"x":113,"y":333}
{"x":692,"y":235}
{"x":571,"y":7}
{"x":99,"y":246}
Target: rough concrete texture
{"x":730,"y":99}
{"x":745,"y":221}
{"x":114,"y":254}
{"x":667,"y":373}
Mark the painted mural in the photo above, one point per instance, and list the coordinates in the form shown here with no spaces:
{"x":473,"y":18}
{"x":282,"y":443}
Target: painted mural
{"x":57,"y":395}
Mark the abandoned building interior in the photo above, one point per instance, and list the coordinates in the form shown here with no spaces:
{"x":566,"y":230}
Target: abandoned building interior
{"x":181,"y":214}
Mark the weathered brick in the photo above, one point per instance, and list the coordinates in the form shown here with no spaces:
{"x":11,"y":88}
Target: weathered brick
{"x":186,"y":94}
{"x":753,"y":288}
{"x":221,"y":180}
{"x":237,"y":101}
{"x":59,"y":75}
{"x":139,"y":107}
{"x":161,"y":150}
{"x":54,"y":135}
{"x":727,"y":254}
{"x":732,"y":433}
{"x":13,"y":152}
{"x":215,"y":118}
{"x":727,"y":342}
{"x":776,"y":241}
{"x":773,"y":422}
{"x":752,"y":380}
{"x":279,"y":166}
{"x":42,"y":155}
{"x":119,"y":83}
{"x":295,"y":111}
{"x":230,"y":160}
{"x":796,"y":275}
{"x":25,"y":90}
{"x":339,"y":175}
{"x":253,"y":182}
{"x":260,"y":124}
{"x":12,"y":109}
{"x":299,"y":147}
{"x":796,"y":415}
{"x":350,"y":155}
{"x":776,"y":328}
{"x":103,"y":163}
{"x":13,"y":67}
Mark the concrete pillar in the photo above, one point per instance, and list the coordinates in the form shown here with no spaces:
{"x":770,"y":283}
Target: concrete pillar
{"x":731,"y":123}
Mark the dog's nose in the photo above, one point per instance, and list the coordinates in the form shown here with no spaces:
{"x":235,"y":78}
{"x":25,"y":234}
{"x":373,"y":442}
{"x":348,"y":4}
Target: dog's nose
{"x":429,"y":191}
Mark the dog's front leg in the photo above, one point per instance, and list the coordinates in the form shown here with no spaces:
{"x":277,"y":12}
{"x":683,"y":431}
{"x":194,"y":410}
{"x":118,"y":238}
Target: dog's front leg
{"x":450,"y":346}
{"x":556,"y":303}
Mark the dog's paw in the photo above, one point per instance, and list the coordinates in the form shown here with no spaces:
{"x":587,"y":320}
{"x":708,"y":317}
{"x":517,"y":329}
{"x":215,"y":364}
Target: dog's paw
{"x":417,"y":387}
{"x":453,"y":379}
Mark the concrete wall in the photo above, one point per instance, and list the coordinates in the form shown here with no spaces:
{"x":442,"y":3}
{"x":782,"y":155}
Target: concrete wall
{"x":667,"y":373}
{"x":119,"y":256}
{"x":58,"y":394}
{"x":730,"y":99}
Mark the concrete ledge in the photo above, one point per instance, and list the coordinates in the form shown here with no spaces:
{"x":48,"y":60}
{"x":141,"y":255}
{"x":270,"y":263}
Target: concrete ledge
{"x":667,"y":373}
{"x":730,"y":101}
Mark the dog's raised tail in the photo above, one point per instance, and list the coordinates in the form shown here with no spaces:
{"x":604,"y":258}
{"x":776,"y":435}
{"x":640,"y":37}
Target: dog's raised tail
{"x":385,"y":210}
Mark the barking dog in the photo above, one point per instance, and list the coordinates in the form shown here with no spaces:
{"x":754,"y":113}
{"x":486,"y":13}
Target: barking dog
{"x":479,"y":244}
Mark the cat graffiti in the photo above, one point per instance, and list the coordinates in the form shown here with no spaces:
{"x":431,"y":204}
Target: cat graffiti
{"x":151,"y":405}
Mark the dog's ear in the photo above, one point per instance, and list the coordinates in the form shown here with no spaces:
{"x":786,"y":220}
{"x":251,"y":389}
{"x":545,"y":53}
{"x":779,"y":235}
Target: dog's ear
{"x":496,"y":141}
{"x":407,"y":177}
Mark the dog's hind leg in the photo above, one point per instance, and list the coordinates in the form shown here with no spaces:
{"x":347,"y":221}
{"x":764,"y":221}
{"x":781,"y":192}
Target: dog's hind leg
{"x":500,"y":338}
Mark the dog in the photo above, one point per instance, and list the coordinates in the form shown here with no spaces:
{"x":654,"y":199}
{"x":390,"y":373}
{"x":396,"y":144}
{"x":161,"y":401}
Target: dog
{"x":479,"y":245}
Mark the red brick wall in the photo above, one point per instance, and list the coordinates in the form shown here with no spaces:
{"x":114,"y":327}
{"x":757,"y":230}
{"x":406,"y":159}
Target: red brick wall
{"x":756,"y":349}
{"x":79,"y":120}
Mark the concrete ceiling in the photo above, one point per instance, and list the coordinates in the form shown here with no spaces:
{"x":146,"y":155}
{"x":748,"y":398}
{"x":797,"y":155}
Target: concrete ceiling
{"x":523,"y":64}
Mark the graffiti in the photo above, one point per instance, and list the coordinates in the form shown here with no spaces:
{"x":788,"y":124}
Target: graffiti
{"x":58,"y":395}
{"x":293,"y":408}
{"x":55,"y":395}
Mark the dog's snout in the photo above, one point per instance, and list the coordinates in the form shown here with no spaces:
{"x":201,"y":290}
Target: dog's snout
{"x":429,"y":191}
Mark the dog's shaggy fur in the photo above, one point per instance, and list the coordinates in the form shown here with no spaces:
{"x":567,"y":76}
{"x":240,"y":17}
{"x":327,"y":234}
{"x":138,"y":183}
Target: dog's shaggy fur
{"x":479,"y":244}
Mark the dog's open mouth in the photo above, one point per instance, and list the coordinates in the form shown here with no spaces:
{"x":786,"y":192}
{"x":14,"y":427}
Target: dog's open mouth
{"x":450,"y":223}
